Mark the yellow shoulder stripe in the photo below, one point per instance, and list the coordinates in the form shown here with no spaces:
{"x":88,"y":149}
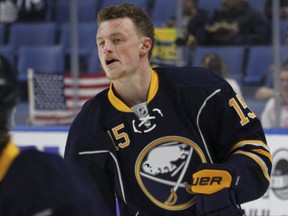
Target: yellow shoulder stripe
{"x":257,"y":143}
{"x":263,"y":152}
{"x":258,"y":160}
{"x":7,"y":157}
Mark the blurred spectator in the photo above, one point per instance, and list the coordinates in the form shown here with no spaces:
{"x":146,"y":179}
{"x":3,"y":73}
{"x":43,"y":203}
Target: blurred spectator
{"x":268,"y":117}
{"x":216,"y":64}
{"x":8,"y":11}
{"x":22,"y":10}
{"x":266,"y":91}
{"x":31,"y":10}
{"x":193,"y":20}
{"x":283,"y":9}
{"x":238,"y":23}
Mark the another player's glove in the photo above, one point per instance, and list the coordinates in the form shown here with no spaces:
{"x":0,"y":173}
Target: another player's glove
{"x":215,"y":186}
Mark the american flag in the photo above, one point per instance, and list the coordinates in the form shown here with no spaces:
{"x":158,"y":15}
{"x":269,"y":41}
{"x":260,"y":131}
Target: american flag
{"x":51,"y":100}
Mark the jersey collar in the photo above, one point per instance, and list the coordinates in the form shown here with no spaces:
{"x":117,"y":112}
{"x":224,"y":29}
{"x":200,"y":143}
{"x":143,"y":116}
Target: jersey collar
{"x":121,"y":106}
{"x":7,"y":157}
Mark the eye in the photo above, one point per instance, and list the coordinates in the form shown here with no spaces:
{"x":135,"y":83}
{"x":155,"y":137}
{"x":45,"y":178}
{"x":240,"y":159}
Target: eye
{"x":116,"y":40}
{"x":101,"y":44}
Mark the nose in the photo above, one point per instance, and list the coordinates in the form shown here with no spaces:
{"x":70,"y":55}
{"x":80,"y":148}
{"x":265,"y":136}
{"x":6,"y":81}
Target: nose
{"x":108,"y":47}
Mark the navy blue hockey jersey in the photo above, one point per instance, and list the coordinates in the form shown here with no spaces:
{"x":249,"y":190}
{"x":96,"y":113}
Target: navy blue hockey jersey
{"x":148,"y":153}
{"x":33,"y":183}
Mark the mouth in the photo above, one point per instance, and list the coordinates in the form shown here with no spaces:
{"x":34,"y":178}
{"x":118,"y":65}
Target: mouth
{"x":110,"y":61}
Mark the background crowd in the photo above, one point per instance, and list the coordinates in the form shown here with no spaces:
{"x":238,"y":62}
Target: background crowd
{"x":224,"y":24}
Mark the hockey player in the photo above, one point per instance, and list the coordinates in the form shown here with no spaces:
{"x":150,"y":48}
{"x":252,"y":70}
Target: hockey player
{"x":166,"y":141}
{"x":34,"y":183}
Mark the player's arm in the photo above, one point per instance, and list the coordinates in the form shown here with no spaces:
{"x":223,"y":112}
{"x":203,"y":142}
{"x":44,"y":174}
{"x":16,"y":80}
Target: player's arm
{"x":222,"y":187}
{"x":247,"y":151}
{"x":240,"y":169}
{"x":98,"y":166}
{"x":73,"y":190}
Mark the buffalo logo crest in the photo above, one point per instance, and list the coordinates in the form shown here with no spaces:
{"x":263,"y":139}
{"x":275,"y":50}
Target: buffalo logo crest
{"x":164,"y":167}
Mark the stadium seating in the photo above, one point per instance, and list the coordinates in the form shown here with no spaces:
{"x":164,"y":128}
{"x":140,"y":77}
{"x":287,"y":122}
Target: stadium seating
{"x":31,"y":34}
{"x":44,"y":59}
{"x":86,"y":42}
{"x":86,"y":37}
{"x":58,"y":13}
{"x":93,"y":62}
{"x":233,"y":56}
{"x":259,"y":61}
{"x":162,"y":11}
{"x":87,"y":10}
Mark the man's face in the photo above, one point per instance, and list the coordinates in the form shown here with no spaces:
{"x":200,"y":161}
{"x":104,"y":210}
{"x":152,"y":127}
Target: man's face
{"x":119,"y":46}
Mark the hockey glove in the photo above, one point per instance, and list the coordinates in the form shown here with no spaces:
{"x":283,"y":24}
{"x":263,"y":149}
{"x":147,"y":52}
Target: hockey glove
{"x":215,"y":186}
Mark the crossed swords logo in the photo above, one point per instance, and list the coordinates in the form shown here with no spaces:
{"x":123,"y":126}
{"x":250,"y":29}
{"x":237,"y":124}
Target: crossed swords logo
{"x":172,"y":198}
{"x":142,"y":113}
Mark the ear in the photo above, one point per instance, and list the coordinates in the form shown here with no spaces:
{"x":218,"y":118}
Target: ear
{"x":146,"y":46}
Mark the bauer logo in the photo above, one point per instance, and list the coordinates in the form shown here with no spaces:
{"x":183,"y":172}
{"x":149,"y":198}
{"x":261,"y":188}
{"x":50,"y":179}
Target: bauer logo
{"x":207,"y":180}
{"x":279,"y":180}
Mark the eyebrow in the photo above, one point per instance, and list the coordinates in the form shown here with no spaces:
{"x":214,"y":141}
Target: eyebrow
{"x":112,"y":35}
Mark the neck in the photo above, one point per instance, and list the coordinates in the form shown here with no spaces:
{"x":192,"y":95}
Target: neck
{"x":134,"y":89}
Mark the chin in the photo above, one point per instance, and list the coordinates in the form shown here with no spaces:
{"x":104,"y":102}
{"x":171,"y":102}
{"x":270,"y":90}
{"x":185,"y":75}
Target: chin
{"x":114,"y":75}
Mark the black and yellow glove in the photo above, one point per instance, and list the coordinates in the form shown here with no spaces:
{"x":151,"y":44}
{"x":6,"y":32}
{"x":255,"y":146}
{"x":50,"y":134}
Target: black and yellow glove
{"x":215,"y":186}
